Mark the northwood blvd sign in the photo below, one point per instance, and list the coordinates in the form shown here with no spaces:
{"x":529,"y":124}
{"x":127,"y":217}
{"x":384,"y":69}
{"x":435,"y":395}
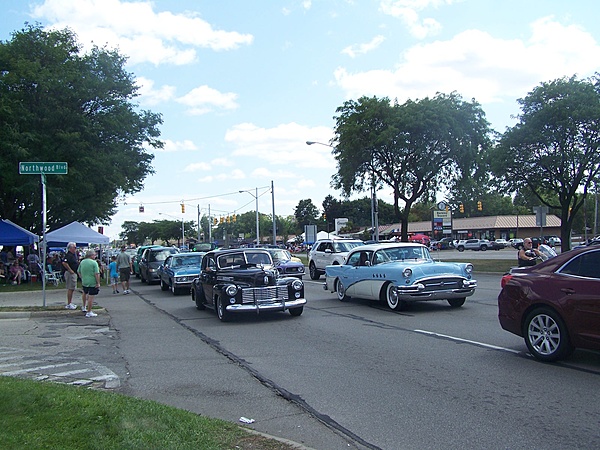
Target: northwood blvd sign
{"x":37,"y":168}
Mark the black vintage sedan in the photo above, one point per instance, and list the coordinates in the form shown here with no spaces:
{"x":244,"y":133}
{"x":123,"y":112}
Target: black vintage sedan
{"x":245,"y":280}
{"x":554,"y":305}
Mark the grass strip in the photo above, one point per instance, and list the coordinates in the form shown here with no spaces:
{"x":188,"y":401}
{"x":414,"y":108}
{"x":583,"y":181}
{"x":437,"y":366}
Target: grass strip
{"x":41,"y":415}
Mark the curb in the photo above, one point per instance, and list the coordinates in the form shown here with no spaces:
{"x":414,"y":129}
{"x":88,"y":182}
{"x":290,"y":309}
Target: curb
{"x":4,"y":314}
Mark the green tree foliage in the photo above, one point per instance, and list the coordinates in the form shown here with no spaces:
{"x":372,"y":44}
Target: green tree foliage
{"x":306,"y":213}
{"x":415,"y":148}
{"x":553,"y":151}
{"x":57,"y":104}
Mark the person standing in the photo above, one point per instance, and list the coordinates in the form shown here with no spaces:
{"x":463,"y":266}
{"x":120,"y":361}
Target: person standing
{"x":113,"y":274}
{"x":89,"y":272}
{"x":70,"y":264}
{"x":124,"y":266}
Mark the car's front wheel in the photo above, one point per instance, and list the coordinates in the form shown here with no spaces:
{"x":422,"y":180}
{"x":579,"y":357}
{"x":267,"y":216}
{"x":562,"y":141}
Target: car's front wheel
{"x":163,"y":286}
{"x":460,"y":248}
{"x":483,"y":248}
{"x":389,"y":296}
{"x":174,"y":290}
{"x":546,"y":335}
{"x":314,"y":273}
{"x":341,"y":291}
{"x":456,"y":302}
{"x":222,"y":313}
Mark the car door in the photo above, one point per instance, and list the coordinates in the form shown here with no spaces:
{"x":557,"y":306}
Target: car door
{"x":166,"y":270}
{"x":579,"y":282}
{"x":208,"y":277}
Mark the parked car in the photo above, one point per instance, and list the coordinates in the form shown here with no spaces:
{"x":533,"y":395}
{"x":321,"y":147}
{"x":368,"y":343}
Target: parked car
{"x":204,"y":247}
{"x":554,"y":305}
{"x":398,"y":274}
{"x":285,"y":263}
{"x":151,"y":260}
{"x":553,"y":240}
{"x":135,"y":260}
{"x":474,"y":244}
{"x":329,"y":251}
{"x":179,"y":270}
{"x":245,"y":280}
{"x":503,"y":242}
{"x":516,"y":243}
{"x":443,"y":244}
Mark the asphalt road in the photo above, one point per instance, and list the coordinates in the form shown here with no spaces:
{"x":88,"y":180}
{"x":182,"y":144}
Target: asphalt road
{"x":346,"y":375}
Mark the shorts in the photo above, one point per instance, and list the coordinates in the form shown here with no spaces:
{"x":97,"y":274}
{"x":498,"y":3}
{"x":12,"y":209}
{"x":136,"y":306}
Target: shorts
{"x":125,"y":274}
{"x":71,"y":281}
{"x":91,"y":290}
{"x":114,"y":280}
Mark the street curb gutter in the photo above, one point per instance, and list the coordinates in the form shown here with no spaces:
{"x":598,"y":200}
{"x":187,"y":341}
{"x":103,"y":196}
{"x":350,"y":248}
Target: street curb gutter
{"x":4,"y":314}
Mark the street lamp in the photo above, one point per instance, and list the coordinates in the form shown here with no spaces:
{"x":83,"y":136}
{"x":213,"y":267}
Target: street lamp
{"x":257,"y":222}
{"x":182,"y":229}
{"x":374,"y":209}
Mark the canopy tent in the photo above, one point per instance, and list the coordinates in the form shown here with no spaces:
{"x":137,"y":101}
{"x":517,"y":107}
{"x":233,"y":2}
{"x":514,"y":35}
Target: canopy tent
{"x":12,"y":234}
{"x":75,"y":232}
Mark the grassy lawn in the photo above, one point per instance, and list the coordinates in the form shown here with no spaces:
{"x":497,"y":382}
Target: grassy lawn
{"x":42,"y":415}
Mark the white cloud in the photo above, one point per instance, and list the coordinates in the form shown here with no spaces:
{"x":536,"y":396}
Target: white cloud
{"x":202,"y":99}
{"x":151,"y":96}
{"x":284,"y":144}
{"x":139,"y":31}
{"x":196,"y":167}
{"x":478,"y":65}
{"x":408,"y":12}
{"x":361,"y":49}
{"x":176,"y":146}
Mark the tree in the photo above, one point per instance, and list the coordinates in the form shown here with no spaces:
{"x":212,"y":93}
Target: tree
{"x":415,"y":148}
{"x":306,"y":213}
{"x":57,"y":104}
{"x":553,"y":151}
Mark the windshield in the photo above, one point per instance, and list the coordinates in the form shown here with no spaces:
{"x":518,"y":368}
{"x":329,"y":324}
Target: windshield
{"x":346,"y":246}
{"x":280,"y":255}
{"x":401,"y":254}
{"x":161,"y":255}
{"x":183,"y":261}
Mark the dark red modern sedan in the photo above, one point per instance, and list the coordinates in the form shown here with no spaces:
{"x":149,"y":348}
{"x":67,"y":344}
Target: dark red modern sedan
{"x":555,"y":305}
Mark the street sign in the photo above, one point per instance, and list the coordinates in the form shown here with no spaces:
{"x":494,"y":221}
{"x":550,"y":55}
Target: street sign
{"x":37,"y":168}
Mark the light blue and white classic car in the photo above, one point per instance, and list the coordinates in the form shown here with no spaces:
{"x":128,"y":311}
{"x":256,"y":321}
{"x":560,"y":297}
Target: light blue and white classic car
{"x":399,"y":273}
{"x":179,"y":270}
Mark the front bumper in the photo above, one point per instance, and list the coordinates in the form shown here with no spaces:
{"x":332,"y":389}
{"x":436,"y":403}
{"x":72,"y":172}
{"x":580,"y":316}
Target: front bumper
{"x":266,"y":306}
{"x":437,"y":290}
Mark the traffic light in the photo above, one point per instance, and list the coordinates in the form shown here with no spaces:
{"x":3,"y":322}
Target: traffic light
{"x":215,"y":221}
{"x":141,"y":208}
{"x":479,"y":207}
{"x":461,"y":208}
{"x":221,"y":220}
{"x":182,"y":208}
{"x":447,"y":208}
{"x":228,"y":219}
{"x":234,"y":218}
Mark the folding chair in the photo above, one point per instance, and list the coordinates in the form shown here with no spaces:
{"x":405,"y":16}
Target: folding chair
{"x":52,"y":276}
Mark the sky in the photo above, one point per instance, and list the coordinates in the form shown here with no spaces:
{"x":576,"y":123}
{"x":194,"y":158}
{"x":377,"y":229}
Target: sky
{"x":242,"y":85}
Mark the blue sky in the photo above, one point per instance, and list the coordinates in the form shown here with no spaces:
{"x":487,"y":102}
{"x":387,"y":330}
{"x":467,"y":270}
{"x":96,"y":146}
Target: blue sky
{"x":242,"y":85}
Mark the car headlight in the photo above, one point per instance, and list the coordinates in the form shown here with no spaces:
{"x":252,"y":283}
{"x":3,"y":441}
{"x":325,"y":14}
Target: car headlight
{"x":231,"y":290}
{"x":407,"y":272}
{"x":469,"y":268}
{"x":301,"y":269}
{"x":297,"y":285}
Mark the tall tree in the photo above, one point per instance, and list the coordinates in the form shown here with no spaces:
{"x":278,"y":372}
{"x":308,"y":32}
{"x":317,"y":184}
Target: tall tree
{"x":415,"y":148}
{"x":554,"y":149}
{"x":58,"y":104}
{"x":306,"y":213}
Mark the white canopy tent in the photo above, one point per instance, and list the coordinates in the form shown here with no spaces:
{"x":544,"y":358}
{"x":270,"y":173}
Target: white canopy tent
{"x":76,"y":232}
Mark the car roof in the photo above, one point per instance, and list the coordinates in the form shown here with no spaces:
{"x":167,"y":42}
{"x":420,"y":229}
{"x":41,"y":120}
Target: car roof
{"x":374,"y":247}
{"x":222,"y":251}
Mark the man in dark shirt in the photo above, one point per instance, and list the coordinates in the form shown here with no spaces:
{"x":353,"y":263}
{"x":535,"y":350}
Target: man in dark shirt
{"x":71,"y":264}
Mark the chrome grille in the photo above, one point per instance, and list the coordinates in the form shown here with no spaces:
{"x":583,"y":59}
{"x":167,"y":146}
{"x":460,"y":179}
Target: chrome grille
{"x":265,"y":294}
{"x":442,"y":284}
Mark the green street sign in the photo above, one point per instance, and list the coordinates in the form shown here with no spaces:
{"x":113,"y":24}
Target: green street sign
{"x":37,"y":168}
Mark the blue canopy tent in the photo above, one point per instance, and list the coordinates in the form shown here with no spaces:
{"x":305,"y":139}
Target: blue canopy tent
{"x":12,"y":234}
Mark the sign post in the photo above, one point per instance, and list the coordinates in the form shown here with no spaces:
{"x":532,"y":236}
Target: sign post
{"x":43,"y":168}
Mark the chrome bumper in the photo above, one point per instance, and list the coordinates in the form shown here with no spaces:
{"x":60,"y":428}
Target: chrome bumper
{"x":266,"y":306}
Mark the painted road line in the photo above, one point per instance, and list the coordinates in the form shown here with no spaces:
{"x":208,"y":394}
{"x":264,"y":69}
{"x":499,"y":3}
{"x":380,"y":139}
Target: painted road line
{"x":467,"y":341}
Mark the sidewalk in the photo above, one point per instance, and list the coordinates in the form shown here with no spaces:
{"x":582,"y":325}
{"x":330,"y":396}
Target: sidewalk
{"x":156,"y":358}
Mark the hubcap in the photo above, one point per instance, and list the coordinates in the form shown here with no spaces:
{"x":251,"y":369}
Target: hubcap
{"x":544,"y":334}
